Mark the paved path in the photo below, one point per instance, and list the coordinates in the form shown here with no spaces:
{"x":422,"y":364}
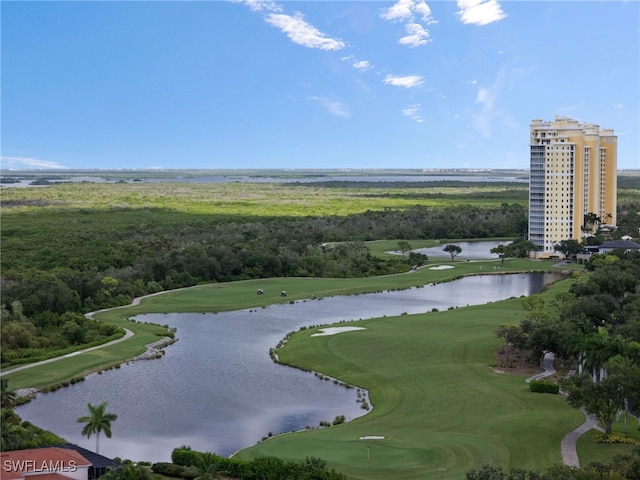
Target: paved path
{"x":568,"y":444}
{"x":128,"y":334}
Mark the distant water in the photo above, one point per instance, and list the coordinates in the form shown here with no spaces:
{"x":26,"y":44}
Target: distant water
{"x":217,"y":389}
{"x":278,"y":179}
{"x":470,"y":250}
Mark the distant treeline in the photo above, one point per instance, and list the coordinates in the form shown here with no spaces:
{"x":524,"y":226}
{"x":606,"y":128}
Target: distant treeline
{"x":97,"y":259}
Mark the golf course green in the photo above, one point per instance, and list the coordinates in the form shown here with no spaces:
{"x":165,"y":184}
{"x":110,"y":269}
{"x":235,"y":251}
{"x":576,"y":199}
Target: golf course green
{"x":438,"y":402}
{"x":440,"y":408}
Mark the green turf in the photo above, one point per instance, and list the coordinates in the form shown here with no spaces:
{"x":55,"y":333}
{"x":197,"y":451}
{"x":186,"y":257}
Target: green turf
{"x":591,"y":451}
{"x":218,"y":297}
{"x":438,"y":403}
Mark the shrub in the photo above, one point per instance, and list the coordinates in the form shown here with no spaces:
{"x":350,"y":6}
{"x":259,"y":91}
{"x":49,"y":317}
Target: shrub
{"x":613,"y":438}
{"x":168,"y":469}
{"x":544,"y":386}
{"x":185,"y":456}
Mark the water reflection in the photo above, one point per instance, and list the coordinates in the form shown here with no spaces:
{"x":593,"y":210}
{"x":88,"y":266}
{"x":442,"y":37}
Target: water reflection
{"x":216,"y":389}
{"x":470,"y":250}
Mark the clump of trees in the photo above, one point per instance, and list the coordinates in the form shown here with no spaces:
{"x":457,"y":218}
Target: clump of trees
{"x":190,"y":465}
{"x":622,"y":467}
{"x":595,"y":330}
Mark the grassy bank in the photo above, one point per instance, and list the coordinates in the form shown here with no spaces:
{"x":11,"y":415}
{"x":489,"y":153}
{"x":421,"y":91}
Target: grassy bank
{"x":438,"y":403}
{"x":219,"y":297}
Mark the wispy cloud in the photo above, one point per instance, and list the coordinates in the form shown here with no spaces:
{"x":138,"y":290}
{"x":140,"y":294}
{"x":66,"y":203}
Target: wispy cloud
{"x":489,"y":115}
{"x":334,"y":107}
{"x":413,"y":112}
{"x":25,"y":162}
{"x":302,"y":33}
{"x":480,"y":12}
{"x":260,"y":5}
{"x":407,"y":81}
{"x":411,"y":13}
{"x":362,"y":65}
{"x":416,"y":35}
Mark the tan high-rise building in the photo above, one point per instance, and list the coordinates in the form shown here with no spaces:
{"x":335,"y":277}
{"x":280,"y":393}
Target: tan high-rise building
{"x":572,"y":173}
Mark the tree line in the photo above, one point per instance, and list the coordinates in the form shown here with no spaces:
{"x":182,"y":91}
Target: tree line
{"x":46,"y":287}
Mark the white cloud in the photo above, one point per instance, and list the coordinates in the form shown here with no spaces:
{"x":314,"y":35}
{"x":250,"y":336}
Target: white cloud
{"x":362,"y":65}
{"x":407,"y":81}
{"x":406,"y":11}
{"x":619,"y":107}
{"x":413,"y":112}
{"x":417,"y":35}
{"x":400,"y":11}
{"x":302,"y":33}
{"x":260,"y":5}
{"x":480,"y":12}
{"x":334,"y":107}
{"x":23,"y":162}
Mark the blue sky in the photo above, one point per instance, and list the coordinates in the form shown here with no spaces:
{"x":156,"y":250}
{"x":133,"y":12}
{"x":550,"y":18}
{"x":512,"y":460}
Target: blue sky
{"x":310,"y":84}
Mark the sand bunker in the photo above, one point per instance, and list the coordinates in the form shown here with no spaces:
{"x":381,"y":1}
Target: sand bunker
{"x":372,"y":437}
{"x":334,"y":330}
{"x":441,"y":267}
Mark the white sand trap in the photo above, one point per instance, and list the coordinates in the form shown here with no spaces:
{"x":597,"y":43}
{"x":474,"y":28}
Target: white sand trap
{"x":334,"y":330}
{"x":372,"y":437}
{"x":441,"y":267}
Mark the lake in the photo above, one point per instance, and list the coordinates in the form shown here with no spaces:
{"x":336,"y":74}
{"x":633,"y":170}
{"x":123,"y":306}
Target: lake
{"x":217,"y":389}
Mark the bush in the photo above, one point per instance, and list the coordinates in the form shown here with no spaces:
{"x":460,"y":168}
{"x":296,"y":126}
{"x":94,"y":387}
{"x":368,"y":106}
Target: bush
{"x":544,"y":386}
{"x":184,"y":456}
{"x":613,"y":438}
{"x":168,"y":469}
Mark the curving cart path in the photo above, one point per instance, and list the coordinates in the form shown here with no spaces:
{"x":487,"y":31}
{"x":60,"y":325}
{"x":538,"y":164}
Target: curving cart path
{"x":568,"y":444}
{"x":128,"y":334}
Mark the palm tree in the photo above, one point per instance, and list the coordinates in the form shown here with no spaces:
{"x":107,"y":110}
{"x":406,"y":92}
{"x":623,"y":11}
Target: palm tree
{"x":97,"y":421}
{"x":8,"y":399}
{"x":208,"y":466}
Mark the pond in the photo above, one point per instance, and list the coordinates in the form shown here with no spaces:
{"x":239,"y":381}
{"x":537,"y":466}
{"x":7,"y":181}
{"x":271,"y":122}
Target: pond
{"x":470,"y":250}
{"x":217,"y":389}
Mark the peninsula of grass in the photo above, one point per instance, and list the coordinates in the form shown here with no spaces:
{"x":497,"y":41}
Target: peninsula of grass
{"x":438,"y":403}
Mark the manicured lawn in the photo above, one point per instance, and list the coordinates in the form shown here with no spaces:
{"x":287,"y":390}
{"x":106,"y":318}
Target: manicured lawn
{"x":590,"y":451}
{"x":218,"y":297}
{"x":438,"y":403}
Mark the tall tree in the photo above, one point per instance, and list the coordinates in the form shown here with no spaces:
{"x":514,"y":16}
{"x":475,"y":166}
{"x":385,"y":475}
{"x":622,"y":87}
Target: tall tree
{"x":97,"y":421}
{"x":452,"y":250}
{"x":604,"y":398}
{"x":569,"y":248}
{"x":501,"y":251}
{"x":404,"y":247}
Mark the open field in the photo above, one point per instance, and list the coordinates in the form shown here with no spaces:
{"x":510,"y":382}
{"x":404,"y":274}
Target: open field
{"x":437,"y":401}
{"x":258,"y":199}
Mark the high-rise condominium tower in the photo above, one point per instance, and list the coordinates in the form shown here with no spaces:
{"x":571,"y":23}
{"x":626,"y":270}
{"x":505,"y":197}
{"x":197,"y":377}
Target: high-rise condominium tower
{"x":572,"y":174}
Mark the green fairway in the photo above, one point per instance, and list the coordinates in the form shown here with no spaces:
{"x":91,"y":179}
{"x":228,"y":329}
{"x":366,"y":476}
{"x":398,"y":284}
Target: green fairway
{"x":437,"y":402}
{"x":217,"y":297}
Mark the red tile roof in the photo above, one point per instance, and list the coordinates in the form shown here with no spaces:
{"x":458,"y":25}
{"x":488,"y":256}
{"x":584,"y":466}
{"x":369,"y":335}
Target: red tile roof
{"x":42,"y":461}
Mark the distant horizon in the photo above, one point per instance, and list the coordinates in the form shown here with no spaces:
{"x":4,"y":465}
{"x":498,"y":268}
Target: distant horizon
{"x":258,"y":84}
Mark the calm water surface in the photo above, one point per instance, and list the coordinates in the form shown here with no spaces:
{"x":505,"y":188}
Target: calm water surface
{"x":216,"y":389}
